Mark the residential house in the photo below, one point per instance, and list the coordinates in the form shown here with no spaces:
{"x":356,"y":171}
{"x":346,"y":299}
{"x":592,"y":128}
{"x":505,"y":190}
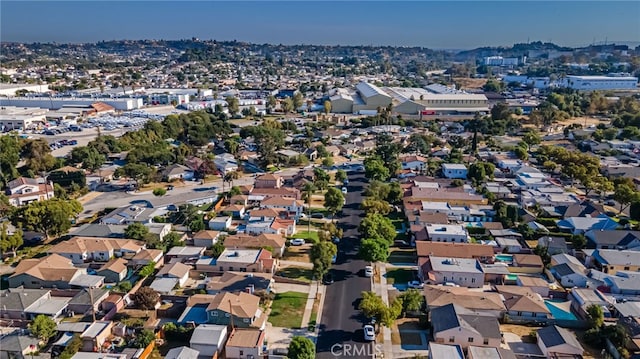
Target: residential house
{"x":556,"y":342}
{"x":425,"y":249}
{"x":239,"y":199}
{"x":127,"y":215}
{"x":526,"y":263}
{"x":83,"y":249}
{"x":259,"y":194}
{"x":208,"y":339}
{"x":570,"y":275}
{"x":582,"y":225}
{"x":474,"y":352}
{"x":453,"y":196}
{"x":242,"y":260}
{"x":413,"y":162}
{"x":443,"y":351}
{"x":114,"y":271}
{"x":613,"y":239}
{"x":18,"y":346}
{"x":264,"y":214}
{"x":454,"y":170}
{"x":311,"y":154}
{"x":145,"y":257}
{"x":24,"y":190}
{"x":535,"y":284}
{"x":554,"y":245}
{"x":613,"y":261}
{"x":205,"y":238}
{"x":508,"y":240}
{"x":454,"y":324}
{"x":221,"y":223}
{"x":582,"y":298}
{"x":486,"y":303}
{"x":53,"y":271}
{"x":268,"y":180}
{"x":96,"y":335}
{"x":240,"y":282}
{"x":453,"y":233}
{"x":182,"y":353}
{"x":277,"y":226}
{"x":183,"y":253}
{"x":241,"y":308}
{"x":274,"y":241}
{"x":85,"y":303}
{"x":522,"y":303}
{"x":234,"y":210}
{"x":460,"y":271}
{"x":117,"y":230}
{"x":177,"y":172}
{"x":177,"y":271}
{"x":292,"y":206}
{"x":627,"y":283}
{"x":564,"y":258}
{"x":15,"y":302}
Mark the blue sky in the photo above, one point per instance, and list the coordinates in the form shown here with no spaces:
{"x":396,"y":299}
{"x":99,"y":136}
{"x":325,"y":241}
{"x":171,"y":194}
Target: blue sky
{"x":449,"y":25}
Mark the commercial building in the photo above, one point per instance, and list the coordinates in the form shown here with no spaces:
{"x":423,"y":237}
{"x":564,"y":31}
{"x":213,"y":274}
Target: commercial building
{"x":418,"y":101}
{"x":21,"y":118}
{"x":590,"y":83}
{"x":10,"y":89}
{"x":54,"y":103}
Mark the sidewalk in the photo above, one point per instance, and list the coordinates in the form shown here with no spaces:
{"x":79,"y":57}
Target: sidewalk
{"x":308,"y":309}
{"x":381,"y":290}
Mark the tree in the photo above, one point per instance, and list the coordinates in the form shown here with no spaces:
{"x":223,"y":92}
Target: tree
{"x":327,"y":162}
{"x":327,"y":106}
{"x":235,"y":191}
{"x":136,"y":231}
{"x":287,"y":105}
{"x":375,"y":169}
{"x":148,"y":269}
{"x":595,"y":315}
{"x":37,"y":155}
{"x":271,"y":102}
{"x":578,"y":241}
{"x":341,"y":175}
{"x":297,"y":100}
{"x":377,"y":190}
{"x":172,"y":239}
{"x":374,"y":250}
{"x":89,"y":157}
{"x":159,"y":192}
{"x":51,"y":217}
{"x":378,"y":227}
{"x":233,"y":105}
{"x":333,"y":200}
{"x":307,"y":193}
{"x":146,"y":298}
{"x":231,"y":146}
{"x":625,"y":195}
{"x":197,"y":225}
{"x":73,"y":346}
{"x":321,"y":255}
{"x":412,"y":300}
{"x":531,"y":138}
{"x":10,"y":243}
{"x":43,"y":327}
{"x":396,"y":193}
{"x":372,"y":306}
{"x":144,"y":338}
{"x":301,"y":348}
{"x":9,"y":158}
{"x":217,"y":249}
{"x":493,"y":86}
{"x":521,"y":153}
{"x":372,"y":205}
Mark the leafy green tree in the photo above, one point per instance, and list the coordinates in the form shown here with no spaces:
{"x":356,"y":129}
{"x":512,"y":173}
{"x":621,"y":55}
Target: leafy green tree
{"x":137,"y":171}
{"x":233,"y":105}
{"x":578,"y":241}
{"x":378,"y":227}
{"x":327,"y":161}
{"x":43,"y":327}
{"x":333,"y":200}
{"x":532,"y":138}
{"x":396,"y":193}
{"x":321,"y":255}
{"x":625,"y":195}
{"x":89,"y":157}
{"x":9,"y":158}
{"x":217,"y":249}
{"x":521,"y":153}
{"x":377,"y":190}
{"x":307,"y":194}
{"x":297,"y":100}
{"x":412,"y":300}
{"x":374,"y":250}
{"x":372,"y":205}
{"x":287,"y":105}
{"x":148,"y":269}
{"x":375,"y":169}
{"x":10,"y":243}
{"x":146,"y":298}
{"x":124,"y":286}
{"x":172,"y":239}
{"x":72,"y":347}
{"x":144,"y":338}
{"x":301,"y":348}
{"x":372,"y":306}
{"x":387,"y":150}
{"x":327,"y":106}
{"x":595,"y":315}
{"x":231,"y":146}
{"x":51,"y":217}
{"x":341,"y":175}
{"x":493,"y":86}
{"x":37,"y":155}
{"x":136,"y":231}
{"x":197,"y":225}
{"x":271,"y":102}
{"x":159,"y":192}
{"x":235,"y":191}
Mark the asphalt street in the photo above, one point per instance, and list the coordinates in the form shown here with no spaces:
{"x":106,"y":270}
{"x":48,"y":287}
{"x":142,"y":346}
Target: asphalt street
{"x":340,"y":330}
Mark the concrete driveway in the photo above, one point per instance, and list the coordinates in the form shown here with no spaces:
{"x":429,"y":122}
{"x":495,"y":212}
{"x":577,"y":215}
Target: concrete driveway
{"x":514,"y":342}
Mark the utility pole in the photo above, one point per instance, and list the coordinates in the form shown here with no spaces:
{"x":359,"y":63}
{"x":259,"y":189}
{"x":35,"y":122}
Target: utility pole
{"x":93,"y":308}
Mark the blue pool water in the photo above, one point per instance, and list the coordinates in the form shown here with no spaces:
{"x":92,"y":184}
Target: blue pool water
{"x":504,"y":257}
{"x":559,"y":313}
{"x":197,"y":314}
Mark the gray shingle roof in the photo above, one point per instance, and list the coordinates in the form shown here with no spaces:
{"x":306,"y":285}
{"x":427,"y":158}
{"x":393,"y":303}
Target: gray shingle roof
{"x":553,"y":335}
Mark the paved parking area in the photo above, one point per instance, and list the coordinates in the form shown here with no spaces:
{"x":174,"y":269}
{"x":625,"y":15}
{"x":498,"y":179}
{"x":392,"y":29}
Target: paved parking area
{"x":514,"y":342}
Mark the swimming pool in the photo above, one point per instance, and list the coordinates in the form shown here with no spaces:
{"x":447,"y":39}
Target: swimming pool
{"x":558,"y":312}
{"x":504,"y":257}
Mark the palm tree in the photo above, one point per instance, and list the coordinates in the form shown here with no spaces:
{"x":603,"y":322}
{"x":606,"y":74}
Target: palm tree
{"x":307,"y":193}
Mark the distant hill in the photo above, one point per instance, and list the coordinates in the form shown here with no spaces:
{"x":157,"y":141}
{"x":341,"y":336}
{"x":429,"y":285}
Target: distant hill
{"x":513,"y":51}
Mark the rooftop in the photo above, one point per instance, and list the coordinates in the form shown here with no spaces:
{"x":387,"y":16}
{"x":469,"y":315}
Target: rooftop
{"x":240,"y":255}
{"x":464,"y":265}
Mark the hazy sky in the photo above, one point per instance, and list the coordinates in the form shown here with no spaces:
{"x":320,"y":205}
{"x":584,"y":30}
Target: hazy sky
{"x":450,"y":25}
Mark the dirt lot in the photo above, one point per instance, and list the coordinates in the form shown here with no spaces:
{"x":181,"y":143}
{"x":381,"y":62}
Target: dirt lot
{"x":298,"y":253}
{"x":467,"y":83}
{"x":584,"y":121}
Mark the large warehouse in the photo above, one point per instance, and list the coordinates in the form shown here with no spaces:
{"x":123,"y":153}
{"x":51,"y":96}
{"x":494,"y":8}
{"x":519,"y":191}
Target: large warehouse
{"x":21,"y":118}
{"x":54,"y":103}
{"x":416,"y":101}
{"x":590,"y":83}
{"x":366,"y":97}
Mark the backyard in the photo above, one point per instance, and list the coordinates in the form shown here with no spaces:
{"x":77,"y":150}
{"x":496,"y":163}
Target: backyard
{"x":287,"y":309}
{"x":398,"y":255}
{"x":398,"y":276}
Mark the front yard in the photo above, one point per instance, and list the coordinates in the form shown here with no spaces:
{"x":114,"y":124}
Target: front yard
{"x":398,"y":255}
{"x":308,"y":236}
{"x":400,"y":276}
{"x":298,"y":273}
{"x":287,"y":309}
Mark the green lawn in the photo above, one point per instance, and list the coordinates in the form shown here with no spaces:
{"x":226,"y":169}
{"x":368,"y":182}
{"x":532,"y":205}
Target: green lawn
{"x":397,"y":219}
{"x":308,"y":236}
{"x":402,"y":256}
{"x":287,"y":309}
{"x":298,"y":273}
{"x":400,"y":276}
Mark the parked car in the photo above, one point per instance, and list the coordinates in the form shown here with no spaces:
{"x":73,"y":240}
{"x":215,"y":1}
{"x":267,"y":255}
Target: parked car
{"x":317,"y":216}
{"x":415,"y":284}
{"x":328,"y":278}
{"x":344,"y":190}
{"x":369,"y":333}
{"x":335,"y":240}
{"x":297,"y":242}
{"x":368,"y":271}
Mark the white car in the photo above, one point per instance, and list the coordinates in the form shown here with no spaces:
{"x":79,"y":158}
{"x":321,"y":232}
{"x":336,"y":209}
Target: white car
{"x":368,"y":271}
{"x":369,"y":333}
{"x":344,"y":190}
{"x":297,"y":242}
{"x":415,"y":284}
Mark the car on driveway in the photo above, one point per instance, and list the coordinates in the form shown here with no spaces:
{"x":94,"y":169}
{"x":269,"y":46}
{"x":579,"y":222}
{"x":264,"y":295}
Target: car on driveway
{"x":415,"y":284}
{"x":368,"y":271}
{"x":369,"y":333}
{"x":297,"y":242}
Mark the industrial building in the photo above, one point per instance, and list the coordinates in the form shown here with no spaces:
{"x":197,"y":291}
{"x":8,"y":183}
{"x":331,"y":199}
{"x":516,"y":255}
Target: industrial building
{"x":21,"y":118}
{"x":54,"y":103}
{"x":366,"y":99}
{"x":10,"y":89}
{"x":590,"y":83}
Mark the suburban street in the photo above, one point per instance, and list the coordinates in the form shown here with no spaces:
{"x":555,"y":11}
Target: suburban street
{"x":341,"y":322}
